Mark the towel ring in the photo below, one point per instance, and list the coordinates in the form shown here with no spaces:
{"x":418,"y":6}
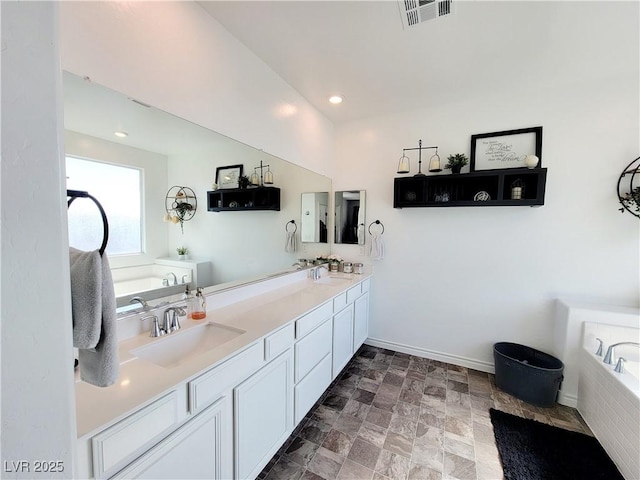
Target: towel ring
{"x":73,"y":194}
{"x":295,"y":227}
{"x":377,"y":222}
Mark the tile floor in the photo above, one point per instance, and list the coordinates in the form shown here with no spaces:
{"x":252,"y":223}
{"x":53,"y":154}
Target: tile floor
{"x":390,"y":415}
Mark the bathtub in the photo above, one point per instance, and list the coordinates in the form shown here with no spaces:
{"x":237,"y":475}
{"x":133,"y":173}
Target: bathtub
{"x":137,"y":285}
{"x":147,"y":281}
{"x":608,"y":401}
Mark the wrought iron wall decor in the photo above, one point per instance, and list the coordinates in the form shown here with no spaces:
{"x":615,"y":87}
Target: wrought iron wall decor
{"x":180,"y":204}
{"x":629,"y":188}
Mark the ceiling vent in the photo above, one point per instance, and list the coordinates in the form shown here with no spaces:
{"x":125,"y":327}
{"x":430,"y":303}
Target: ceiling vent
{"x":414,"y":12}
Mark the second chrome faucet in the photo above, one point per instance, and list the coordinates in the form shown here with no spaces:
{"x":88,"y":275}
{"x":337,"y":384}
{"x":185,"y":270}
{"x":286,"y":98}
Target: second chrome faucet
{"x":609,"y":358}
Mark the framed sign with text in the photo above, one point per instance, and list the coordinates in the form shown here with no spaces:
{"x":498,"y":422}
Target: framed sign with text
{"x":508,"y":149}
{"x":228,"y":177}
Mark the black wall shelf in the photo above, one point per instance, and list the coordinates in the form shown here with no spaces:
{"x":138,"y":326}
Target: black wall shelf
{"x":243,"y":199}
{"x":462,"y":188}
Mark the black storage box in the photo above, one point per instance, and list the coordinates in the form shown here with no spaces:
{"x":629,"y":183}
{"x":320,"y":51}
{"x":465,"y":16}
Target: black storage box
{"x":527,"y":373}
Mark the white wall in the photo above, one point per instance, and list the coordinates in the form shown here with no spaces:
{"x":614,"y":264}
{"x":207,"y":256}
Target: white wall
{"x":38,"y":417}
{"x":243,"y":245}
{"x":456,"y":280}
{"x":176,"y":57}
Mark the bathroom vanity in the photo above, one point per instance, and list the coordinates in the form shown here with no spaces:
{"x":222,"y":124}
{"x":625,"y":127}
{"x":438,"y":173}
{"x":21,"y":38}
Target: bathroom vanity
{"x":188,"y":406}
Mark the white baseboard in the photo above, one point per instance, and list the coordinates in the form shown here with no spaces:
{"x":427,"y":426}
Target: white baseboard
{"x":433,"y":355}
{"x":568,"y":399}
{"x":564,"y":399}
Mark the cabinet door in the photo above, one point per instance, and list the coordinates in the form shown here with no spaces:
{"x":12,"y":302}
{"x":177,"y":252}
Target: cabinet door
{"x":263,"y":415}
{"x":342,"y":339}
{"x":198,"y":449}
{"x":360,"y":321}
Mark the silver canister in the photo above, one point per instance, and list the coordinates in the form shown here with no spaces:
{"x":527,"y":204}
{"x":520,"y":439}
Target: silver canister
{"x":358,"y":268}
{"x":347,"y":267}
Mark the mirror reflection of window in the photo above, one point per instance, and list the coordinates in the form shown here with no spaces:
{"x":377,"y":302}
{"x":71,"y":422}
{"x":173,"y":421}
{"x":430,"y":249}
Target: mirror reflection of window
{"x":315,"y":212}
{"x":122,"y":205}
{"x":350,"y":217}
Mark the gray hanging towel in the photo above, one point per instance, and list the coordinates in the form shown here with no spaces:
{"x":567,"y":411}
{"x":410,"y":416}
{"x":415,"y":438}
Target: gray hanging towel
{"x":93,"y":303}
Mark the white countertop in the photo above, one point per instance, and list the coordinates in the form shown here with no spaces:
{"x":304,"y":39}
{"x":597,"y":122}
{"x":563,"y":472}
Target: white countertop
{"x":141,"y":381}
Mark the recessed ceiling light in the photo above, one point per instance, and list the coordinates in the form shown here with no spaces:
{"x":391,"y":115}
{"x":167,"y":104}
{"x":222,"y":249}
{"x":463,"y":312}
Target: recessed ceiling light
{"x":121,"y":134}
{"x":336,"y":99}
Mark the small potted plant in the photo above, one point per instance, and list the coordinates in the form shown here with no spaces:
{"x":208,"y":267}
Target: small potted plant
{"x":183,"y":252}
{"x":456,"y":162}
{"x":334,"y":262}
{"x":243,"y":181}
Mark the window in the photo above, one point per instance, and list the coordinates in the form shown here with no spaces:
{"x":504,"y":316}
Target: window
{"x":119,"y":191}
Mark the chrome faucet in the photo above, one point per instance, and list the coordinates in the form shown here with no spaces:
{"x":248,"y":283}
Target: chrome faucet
{"x":155,"y":331}
{"x":184,"y":279}
{"x":315,"y":273}
{"x":609,"y":358}
{"x":175,"y":279}
{"x":170,"y":319}
{"x":600,"y":346}
{"x":141,"y":301}
{"x":620,"y":365}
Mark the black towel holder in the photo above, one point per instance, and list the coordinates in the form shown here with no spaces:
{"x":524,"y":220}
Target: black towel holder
{"x":73,"y":194}
{"x":295,"y":227}
{"x":377,"y":222}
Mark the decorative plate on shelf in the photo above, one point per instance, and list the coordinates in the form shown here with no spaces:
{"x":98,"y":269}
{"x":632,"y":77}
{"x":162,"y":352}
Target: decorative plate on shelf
{"x":233,"y":204}
{"x":410,"y":196}
{"x":481,"y":196}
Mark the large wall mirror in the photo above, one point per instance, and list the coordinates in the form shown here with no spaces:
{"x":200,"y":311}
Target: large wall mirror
{"x":315,"y":216}
{"x":240,"y":246}
{"x":349,"y":217}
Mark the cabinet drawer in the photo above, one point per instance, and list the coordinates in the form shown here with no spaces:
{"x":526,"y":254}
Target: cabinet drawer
{"x":278,"y":342}
{"x":353,"y":293}
{"x":311,"y":349}
{"x":366,"y":284}
{"x":202,"y":444}
{"x":208,"y":387}
{"x":124,"y":440}
{"x":312,"y":319}
{"x":307,"y":392}
{"x":339,"y":302}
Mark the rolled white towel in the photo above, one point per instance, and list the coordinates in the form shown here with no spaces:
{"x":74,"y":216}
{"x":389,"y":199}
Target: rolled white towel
{"x":376,"y":247}
{"x":290,"y":245}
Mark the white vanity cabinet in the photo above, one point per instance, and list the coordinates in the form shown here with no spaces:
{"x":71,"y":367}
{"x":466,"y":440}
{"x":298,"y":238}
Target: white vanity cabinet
{"x":228,"y":420}
{"x":198,"y":449}
{"x":263,"y":415}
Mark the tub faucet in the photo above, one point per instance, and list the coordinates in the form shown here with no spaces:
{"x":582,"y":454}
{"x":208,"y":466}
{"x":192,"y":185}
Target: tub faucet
{"x":609,"y":358}
{"x":175,"y":279}
{"x":600,"y":345}
{"x":620,"y":365}
{"x":141,"y":301}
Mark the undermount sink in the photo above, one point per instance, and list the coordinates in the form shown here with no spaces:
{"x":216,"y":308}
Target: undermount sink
{"x":332,"y":280}
{"x":177,"y":348}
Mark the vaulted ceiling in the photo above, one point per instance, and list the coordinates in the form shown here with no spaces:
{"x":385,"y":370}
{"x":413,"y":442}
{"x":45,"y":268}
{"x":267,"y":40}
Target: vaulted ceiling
{"x":361,"y":49}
